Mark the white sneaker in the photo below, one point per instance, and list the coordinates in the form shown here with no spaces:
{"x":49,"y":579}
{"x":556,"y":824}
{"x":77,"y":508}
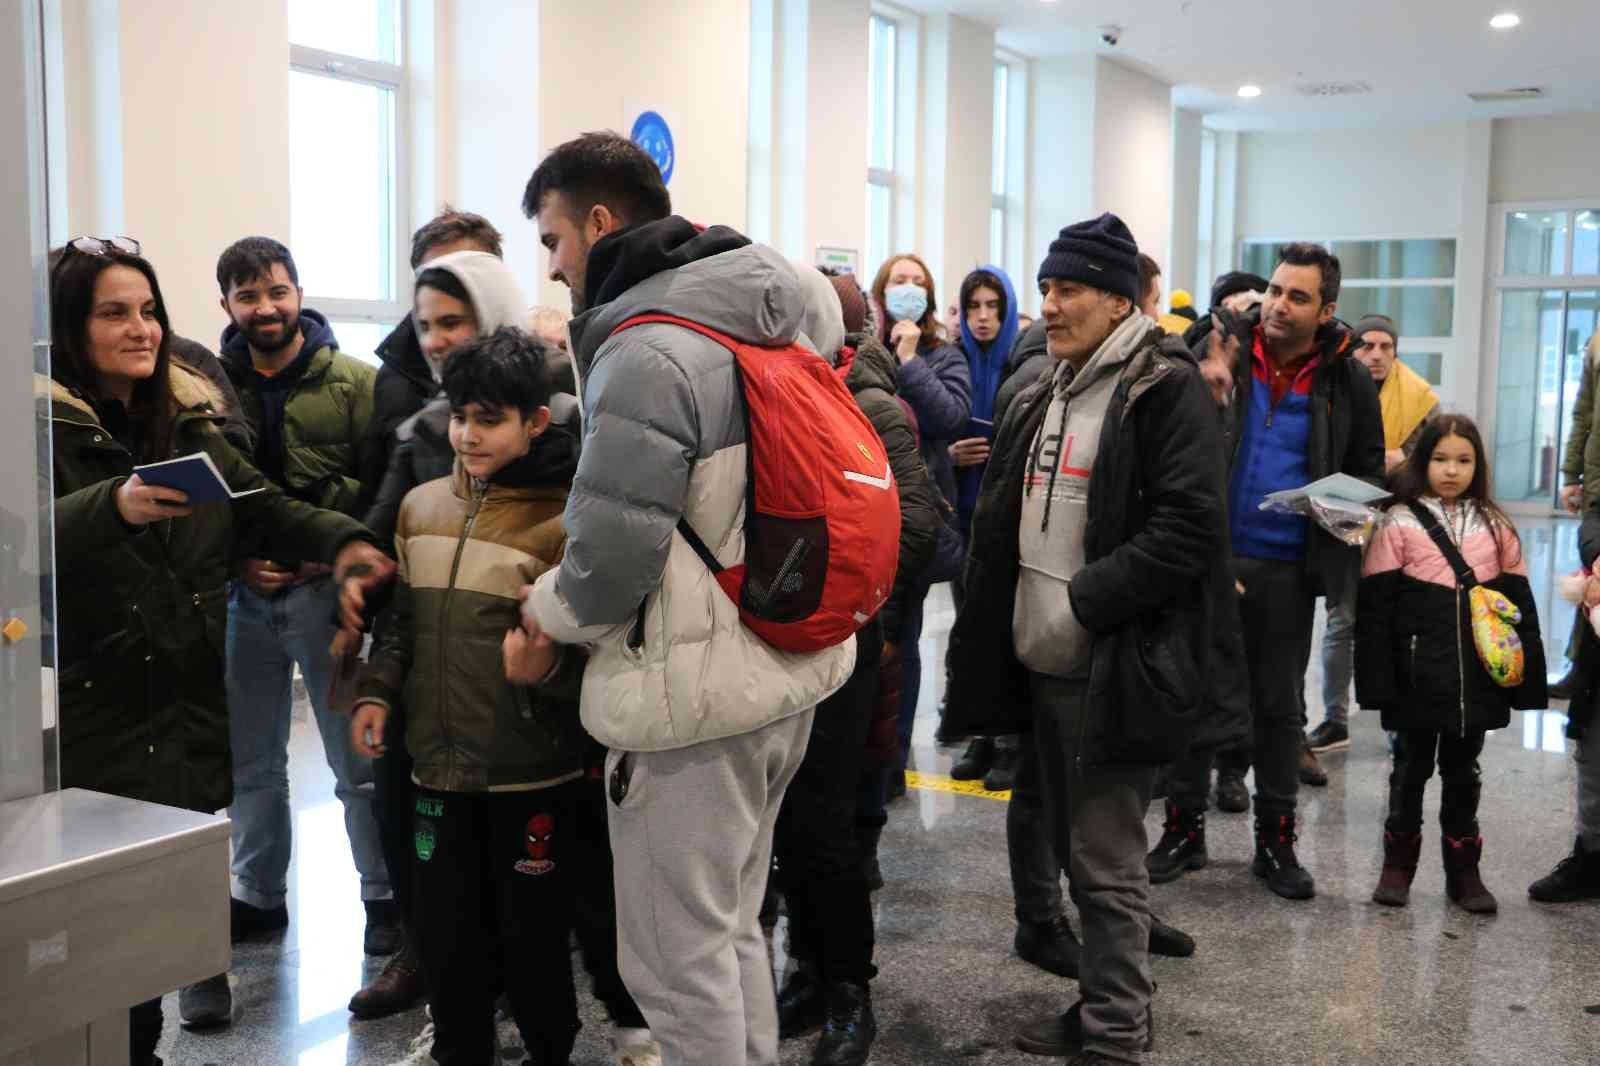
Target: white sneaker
{"x":420,"y":1053}
{"x":635,"y":1047}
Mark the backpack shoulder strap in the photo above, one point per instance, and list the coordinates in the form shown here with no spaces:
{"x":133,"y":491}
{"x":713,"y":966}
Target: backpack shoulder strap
{"x":673,"y":320}
{"x":1452,"y":555}
{"x":694,"y":540}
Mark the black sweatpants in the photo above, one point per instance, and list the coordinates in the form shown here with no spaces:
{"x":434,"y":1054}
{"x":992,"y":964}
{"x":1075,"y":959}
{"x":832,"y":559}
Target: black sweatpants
{"x":496,"y":873}
{"x":1415,"y":752}
{"x":819,"y":863}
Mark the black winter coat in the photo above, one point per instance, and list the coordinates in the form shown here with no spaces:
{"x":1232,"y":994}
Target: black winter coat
{"x":1156,"y":529}
{"x":405,"y":385}
{"x":1030,"y":357}
{"x":235,"y":426}
{"x":1415,"y":657}
{"x":938,"y":386}
{"x":1346,"y":430}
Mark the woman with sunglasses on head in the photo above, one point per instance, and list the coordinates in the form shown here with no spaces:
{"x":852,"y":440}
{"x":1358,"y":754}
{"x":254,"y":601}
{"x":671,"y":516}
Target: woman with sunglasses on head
{"x":141,"y":607}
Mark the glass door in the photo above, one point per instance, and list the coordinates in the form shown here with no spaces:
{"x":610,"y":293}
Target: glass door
{"x":1549,"y":309}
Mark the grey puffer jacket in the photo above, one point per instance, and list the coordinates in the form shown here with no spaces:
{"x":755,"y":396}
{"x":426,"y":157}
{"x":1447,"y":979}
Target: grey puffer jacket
{"x":671,"y":664}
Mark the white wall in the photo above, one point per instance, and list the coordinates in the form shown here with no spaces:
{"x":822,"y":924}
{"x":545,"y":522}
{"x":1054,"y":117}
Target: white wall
{"x":1178,"y":262}
{"x":1061,"y":177}
{"x":958,"y":150}
{"x":1351,"y":183}
{"x":807,"y":131}
{"x":1132,"y":154}
{"x":601,"y":61}
{"x":1549,"y":158}
{"x":178,"y":134}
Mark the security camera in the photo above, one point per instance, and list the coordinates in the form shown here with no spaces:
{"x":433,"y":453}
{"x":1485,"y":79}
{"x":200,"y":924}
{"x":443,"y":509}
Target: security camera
{"x":1111,"y":35}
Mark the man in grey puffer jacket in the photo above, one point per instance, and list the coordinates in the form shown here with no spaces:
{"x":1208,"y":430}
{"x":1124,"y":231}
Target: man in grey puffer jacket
{"x":707,"y":724}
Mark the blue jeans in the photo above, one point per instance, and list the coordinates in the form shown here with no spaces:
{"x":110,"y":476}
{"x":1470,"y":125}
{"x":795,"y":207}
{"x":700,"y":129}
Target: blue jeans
{"x":266,"y":638}
{"x":1339,"y":656}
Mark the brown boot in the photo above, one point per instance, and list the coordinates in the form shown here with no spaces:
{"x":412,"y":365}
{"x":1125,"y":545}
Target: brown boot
{"x":1400,"y":854}
{"x":1461,"y":881}
{"x":397,"y":988}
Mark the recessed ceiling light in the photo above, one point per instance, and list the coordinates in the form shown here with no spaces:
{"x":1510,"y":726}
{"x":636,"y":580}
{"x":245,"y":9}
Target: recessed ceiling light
{"x":1506,"y":21}
{"x":1249,"y":92}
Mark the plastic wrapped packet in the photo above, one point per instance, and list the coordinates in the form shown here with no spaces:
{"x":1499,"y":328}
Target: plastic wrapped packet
{"x":1351,"y":522}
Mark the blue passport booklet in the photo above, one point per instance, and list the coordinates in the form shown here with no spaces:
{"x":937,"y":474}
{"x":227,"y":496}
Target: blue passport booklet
{"x":195,"y":475}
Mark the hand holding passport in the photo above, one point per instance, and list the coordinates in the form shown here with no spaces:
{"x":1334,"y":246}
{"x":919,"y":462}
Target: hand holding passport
{"x":973,"y":449}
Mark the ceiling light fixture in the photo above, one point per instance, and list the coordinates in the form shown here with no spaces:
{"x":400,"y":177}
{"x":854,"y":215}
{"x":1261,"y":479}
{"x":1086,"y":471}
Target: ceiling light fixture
{"x":1249,"y":92}
{"x":1506,"y":21}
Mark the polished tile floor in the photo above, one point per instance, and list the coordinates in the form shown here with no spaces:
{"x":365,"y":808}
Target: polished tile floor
{"x":1333,"y":980}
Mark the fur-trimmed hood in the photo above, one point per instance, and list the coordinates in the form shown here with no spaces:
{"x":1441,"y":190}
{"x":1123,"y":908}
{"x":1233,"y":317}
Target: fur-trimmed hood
{"x":192,"y":392}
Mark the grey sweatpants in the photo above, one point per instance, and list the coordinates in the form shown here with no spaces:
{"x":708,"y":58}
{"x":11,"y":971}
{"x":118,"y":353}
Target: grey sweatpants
{"x":1587,"y":754}
{"x":1096,"y":818}
{"x":692,"y":839}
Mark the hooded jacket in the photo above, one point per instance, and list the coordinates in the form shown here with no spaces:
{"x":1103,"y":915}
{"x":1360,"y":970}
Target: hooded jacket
{"x":1345,"y":432}
{"x":310,"y":418}
{"x":199,"y":357}
{"x":870,"y":377}
{"x":1155,"y":528}
{"x":671,"y":663}
{"x":466,"y":548}
{"x":986,"y":367}
{"x":403,"y":386}
{"x":142,"y":614}
{"x":415,"y":447}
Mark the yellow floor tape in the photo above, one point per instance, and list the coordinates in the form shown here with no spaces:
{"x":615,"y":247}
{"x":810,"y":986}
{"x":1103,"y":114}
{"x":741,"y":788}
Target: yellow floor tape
{"x":945,"y":783}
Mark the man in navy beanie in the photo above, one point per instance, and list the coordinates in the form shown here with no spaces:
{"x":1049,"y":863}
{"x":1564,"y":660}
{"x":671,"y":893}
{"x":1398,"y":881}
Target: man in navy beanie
{"x":1093,"y":583}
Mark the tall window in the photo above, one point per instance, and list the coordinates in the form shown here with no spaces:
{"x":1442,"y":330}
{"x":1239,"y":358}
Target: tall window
{"x":998,"y":202}
{"x":346,"y":190}
{"x":882,"y":86}
{"x":1008,"y":168}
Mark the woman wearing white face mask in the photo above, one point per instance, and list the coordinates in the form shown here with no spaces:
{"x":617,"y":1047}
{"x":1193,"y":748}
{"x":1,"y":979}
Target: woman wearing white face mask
{"x":934,"y":380}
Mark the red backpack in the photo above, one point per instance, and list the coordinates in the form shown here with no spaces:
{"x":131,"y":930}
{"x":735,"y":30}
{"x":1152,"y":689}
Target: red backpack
{"x":822,"y":518}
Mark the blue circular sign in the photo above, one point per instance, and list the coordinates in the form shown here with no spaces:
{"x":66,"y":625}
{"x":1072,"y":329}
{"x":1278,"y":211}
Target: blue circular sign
{"x":651,"y":132}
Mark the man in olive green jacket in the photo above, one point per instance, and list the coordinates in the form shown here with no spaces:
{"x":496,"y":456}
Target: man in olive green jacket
{"x":1580,"y":475}
{"x":308,"y":405}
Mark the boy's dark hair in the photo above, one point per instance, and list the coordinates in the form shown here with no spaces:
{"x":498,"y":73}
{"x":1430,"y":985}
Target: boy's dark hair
{"x":505,"y":369}
{"x":1304,"y":254}
{"x":451,"y":225}
{"x":1149,"y":271}
{"x":601,"y":168}
{"x":250,"y":258}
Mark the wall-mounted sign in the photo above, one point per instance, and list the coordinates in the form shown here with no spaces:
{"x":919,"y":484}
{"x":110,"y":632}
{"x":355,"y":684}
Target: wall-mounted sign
{"x":651,"y":132}
{"x":844,"y":260}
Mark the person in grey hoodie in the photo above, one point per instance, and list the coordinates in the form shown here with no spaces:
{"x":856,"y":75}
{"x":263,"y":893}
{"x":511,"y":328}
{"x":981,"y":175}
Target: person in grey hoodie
{"x":707,"y":724}
{"x":1092,"y":585}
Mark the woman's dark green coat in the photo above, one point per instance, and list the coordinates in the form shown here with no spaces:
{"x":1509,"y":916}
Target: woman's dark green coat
{"x":141,"y":614}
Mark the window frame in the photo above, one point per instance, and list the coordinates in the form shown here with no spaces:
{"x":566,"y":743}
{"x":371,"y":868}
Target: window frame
{"x":356,"y":70}
{"x":1012,"y":201}
{"x":880,"y":177}
{"x":1502,"y":285}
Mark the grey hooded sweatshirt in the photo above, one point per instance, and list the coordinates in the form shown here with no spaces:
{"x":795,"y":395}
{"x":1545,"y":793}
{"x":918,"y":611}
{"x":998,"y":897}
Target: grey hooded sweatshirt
{"x":1055,"y":505}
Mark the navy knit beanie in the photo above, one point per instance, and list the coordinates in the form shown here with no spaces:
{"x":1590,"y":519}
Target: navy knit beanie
{"x":1100,"y":253}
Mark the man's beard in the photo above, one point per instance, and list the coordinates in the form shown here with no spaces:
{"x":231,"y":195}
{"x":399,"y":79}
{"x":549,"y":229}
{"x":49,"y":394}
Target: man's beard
{"x":268,"y":346}
{"x":580,"y":302}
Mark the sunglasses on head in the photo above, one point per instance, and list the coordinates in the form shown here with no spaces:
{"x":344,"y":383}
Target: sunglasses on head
{"x":104,"y":245}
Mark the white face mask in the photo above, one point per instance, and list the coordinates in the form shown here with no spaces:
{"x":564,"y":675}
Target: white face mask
{"x":905,"y":303}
